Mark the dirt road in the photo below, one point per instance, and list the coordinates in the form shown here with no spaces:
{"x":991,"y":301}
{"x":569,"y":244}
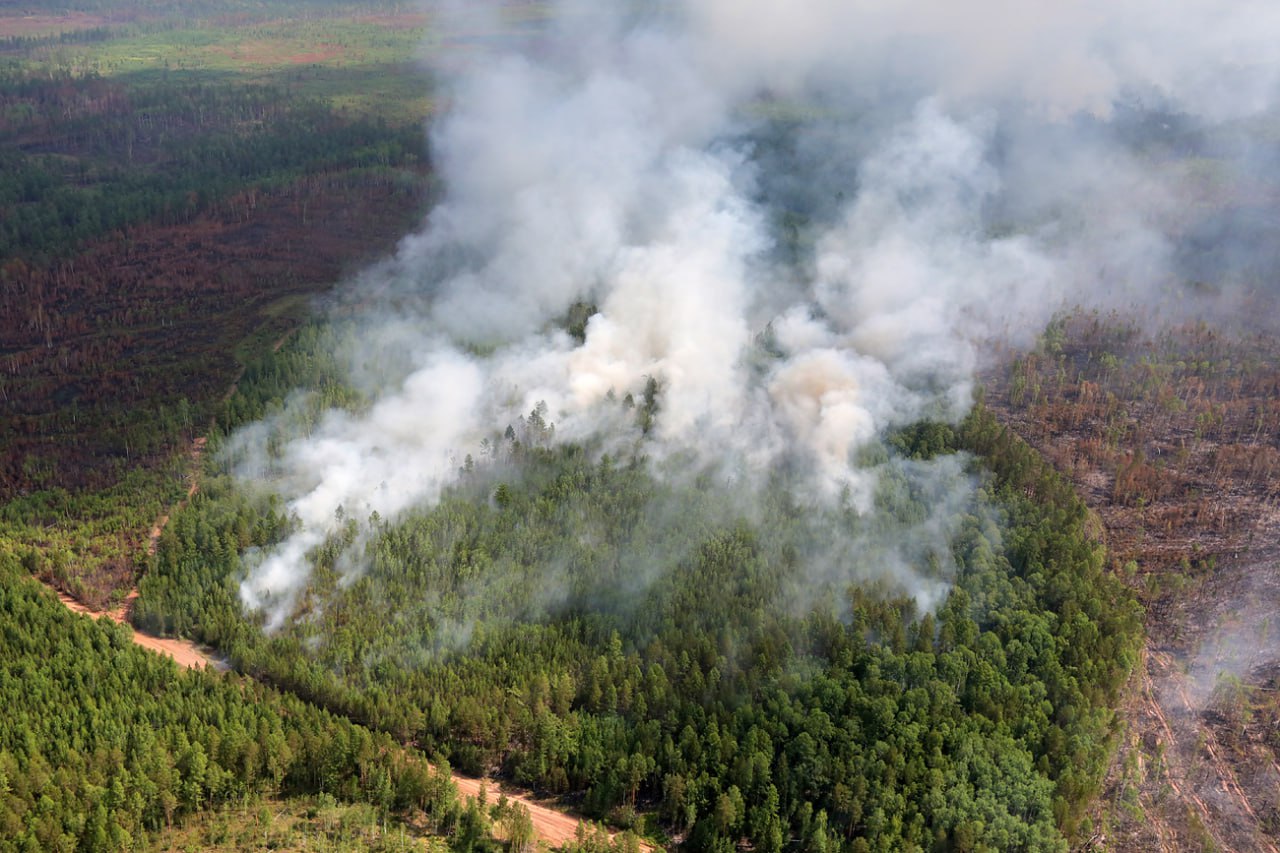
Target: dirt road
{"x":185,"y":652}
{"x":552,"y":826}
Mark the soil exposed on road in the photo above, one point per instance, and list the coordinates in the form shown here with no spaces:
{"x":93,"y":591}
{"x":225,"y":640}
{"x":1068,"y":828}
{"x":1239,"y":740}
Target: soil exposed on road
{"x":184,"y":652}
{"x":554,"y":827}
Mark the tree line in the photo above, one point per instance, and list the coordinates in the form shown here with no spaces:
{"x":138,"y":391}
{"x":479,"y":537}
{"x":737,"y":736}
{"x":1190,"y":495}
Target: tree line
{"x":91,"y":157}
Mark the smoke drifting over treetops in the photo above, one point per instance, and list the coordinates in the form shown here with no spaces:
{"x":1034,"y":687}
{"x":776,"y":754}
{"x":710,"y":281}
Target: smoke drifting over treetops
{"x":801,"y":218}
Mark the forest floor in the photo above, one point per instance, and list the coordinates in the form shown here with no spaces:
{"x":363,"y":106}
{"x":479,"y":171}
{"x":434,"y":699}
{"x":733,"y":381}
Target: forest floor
{"x":169,"y":312}
{"x":184,"y":652}
{"x":1179,"y":459}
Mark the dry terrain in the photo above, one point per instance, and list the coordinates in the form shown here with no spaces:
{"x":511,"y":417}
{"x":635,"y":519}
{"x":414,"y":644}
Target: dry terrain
{"x":1174,"y":441}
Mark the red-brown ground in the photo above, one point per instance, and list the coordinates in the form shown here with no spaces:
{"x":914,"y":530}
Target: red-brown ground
{"x":185,"y":652}
{"x":109,"y":358}
{"x":1175,"y":443}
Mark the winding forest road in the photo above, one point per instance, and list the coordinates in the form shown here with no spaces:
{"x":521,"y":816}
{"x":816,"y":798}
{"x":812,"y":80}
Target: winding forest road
{"x":553,"y":826}
{"x":185,"y":652}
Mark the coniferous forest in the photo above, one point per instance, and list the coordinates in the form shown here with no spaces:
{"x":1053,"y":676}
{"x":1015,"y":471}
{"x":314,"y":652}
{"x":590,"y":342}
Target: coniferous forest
{"x":1036,"y":614}
{"x":103,"y":742}
{"x":721,"y":694}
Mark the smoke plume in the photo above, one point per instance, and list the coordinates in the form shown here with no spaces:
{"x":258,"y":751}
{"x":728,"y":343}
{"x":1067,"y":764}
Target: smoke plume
{"x":801,"y":220}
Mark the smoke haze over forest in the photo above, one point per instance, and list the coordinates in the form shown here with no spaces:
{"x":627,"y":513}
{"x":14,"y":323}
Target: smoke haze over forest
{"x":802,"y":220}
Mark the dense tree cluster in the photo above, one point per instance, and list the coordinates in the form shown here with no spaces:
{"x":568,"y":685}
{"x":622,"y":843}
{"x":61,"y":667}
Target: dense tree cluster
{"x":102,"y":742}
{"x":581,"y":626}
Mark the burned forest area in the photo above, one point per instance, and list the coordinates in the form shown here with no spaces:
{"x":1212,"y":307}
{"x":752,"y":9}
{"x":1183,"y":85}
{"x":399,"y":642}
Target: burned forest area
{"x":526,"y":425}
{"x":1171,"y":437}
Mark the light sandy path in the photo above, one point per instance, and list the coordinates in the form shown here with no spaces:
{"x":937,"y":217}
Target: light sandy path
{"x":185,"y":652}
{"x":554,"y":827}
{"x":193,"y":486}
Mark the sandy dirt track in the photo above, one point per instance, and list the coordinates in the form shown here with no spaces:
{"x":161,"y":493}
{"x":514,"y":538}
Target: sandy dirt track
{"x":185,"y":652}
{"x":554,"y":827}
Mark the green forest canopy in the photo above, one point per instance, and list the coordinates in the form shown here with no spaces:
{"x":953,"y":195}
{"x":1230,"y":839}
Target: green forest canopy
{"x":853,"y":721}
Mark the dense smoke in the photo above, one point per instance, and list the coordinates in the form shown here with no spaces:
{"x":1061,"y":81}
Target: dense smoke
{"x":800,"y":219}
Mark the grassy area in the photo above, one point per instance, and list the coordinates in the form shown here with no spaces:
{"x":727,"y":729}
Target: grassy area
{"x":365,"y":66}
{"x":365,"y":60}
{"x":296,"y":824}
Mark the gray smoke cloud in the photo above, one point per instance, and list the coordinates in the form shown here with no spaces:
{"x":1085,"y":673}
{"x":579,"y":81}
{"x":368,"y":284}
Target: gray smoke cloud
{"x":869,"y":189}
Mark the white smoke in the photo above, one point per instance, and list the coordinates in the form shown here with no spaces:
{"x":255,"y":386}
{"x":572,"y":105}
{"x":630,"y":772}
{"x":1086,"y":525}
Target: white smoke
{"x":623,"y":159}
{"x":1206,"y":57}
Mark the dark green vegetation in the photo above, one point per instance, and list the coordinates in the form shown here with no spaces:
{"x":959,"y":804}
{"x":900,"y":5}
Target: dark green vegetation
{"x":162,"y":154}
{"x":160,"y":117}
{"x":102,"y":743}
{"x":175,"y":188}
{"x":174,"y":185}
{"x":720,"y":692}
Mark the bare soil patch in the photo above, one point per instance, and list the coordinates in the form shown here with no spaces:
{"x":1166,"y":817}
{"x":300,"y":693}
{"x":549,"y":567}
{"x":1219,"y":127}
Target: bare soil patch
{"x":184,"y":652}
{"x":552,"y":825}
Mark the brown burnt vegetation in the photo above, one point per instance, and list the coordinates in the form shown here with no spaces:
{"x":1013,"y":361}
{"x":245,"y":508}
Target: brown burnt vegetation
{"x":115,"y":360}
{"x":145,"y":325}
{"x":1174,"y":440}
